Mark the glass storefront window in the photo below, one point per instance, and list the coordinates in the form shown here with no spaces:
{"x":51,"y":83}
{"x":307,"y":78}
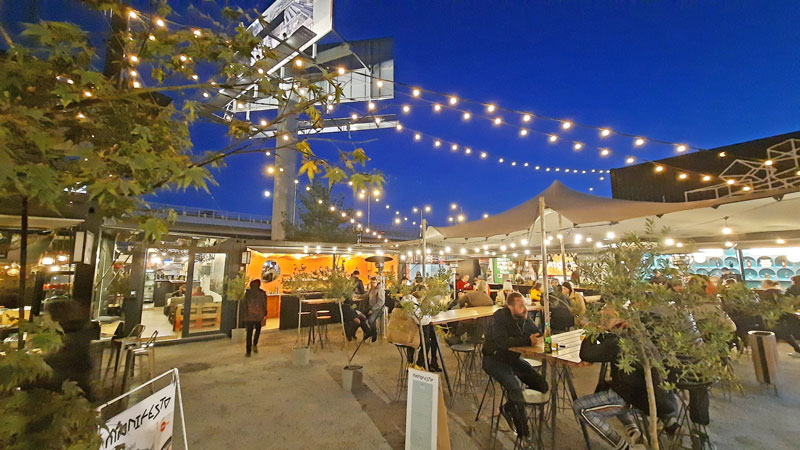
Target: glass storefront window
{"x":164,"y":293}
{"x":207,"y":291}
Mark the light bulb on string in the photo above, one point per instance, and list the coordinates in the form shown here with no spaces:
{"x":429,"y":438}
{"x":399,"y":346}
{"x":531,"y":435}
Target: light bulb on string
{"x":526,"y":118}
{"x":467,"y":115}
{"x":605,"y":132}
{"x":523,"y":132}
{"x":566,"y":125}
{"x":437,"y":107}
{"x":577,"y":146}
{"x":638,"y":142}
{"x":453,"y":100}
{"x":552,"y":138}
{"x":415,"y":92}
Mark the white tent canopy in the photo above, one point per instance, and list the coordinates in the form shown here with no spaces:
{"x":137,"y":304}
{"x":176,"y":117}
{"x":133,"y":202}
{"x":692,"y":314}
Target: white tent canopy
{"x":594,"y":217}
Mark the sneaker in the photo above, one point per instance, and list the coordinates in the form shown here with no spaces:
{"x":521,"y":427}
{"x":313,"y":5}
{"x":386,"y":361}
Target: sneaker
{"x":506,"y":413}
{"x":374,"y":335}
{"x":794,"y":354}
{"x":247,"y":355}
{"x":255,"y":349}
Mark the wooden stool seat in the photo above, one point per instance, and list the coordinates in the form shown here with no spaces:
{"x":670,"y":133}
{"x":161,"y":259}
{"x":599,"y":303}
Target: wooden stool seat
{"x":324,"y":317}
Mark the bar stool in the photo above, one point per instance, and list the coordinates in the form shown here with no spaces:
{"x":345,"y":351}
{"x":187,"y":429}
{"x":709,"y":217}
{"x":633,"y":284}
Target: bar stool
{"x":402,"y":375}
{"x":696,"y":432}
{"x":146,"y":350}
{"x":307,"y":316}
{"x":118,"y":344}
{"x":533,"y":413}
{"x":322,"y":317}
{"x":465,"y":357}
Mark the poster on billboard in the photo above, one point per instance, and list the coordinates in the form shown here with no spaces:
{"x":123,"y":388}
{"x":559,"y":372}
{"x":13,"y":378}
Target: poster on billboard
{"x":145,"y":425}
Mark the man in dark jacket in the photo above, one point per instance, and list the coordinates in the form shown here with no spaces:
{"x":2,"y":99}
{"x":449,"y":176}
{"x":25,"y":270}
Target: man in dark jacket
{"x":511,"y":327}
{"x":254,"y":309}
{"x":622,"y":391}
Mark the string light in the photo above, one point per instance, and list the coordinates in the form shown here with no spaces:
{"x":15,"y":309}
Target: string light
{"x":553,"y":138}
{"x":490,"y":108}
{"x":467,"y":116}
{"x":498,"y":120}
{"x":577,"y":146}
{"x":605,"y":132}
{"x":629,"y":160}
{"x":680,"y":148}
{"x":638,"y":142}
{"x":415,"y":92}
{"x":566,"y":125}
{"x":406,"y":109}
{"x":523,"y":132}
{"x":160,"y":23}
{"x":453,"y":100}
{"x":437,"y":107}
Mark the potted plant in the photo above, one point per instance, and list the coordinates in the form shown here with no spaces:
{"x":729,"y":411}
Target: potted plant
{"x":680,"y":336}
{"x":234,"y":292}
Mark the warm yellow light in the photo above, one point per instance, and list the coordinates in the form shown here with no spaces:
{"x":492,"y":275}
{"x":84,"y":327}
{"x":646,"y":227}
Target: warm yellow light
{"x":359,"y":214}
{"x":780,"y":241}
{"x":553,"y":138}
{"x":706,"y":177}
{"x":566,"y":125}
{"x":526,"y":118}
{"x":728,"y":244}
{"x":610,"y":235}
{"x":417,"y":136}
{"x":376,"y":193}
{"x":498,"y":120}
{"x":340,"y":70}
{"x":378,"y":120}
{"x":437,"y":143}
{"x":134,"y":58}
{"x":196,"y":32}
{"x":298,"y":62}
{"x":467,"y":116}
{"x":681,"y":148}
{"x":726,"y":230}
{"x":523,"y":132}
{"x":195,"y":77}
{"x":604,"y":152}
{"x":267,"y":193}
{"x":136,"y":84}
{"x":453,"y":100}
{"x":768,"y":162}
{"x":500,"y":160}
{"x":629,"y":160}
{"x":437,"y":107}
{"x":605,"y":132}
{"x":730,"y":182}
{"x":577,"y":146}
{"x":427,"y":209}
{"x":379,"y":83}
{"x":370,"y":106}
{"x":453,"y":206}
{"x":468,"y":150}
{"x":406,"y":108}
{"x":659,"y":168}
{"x":151,"y":37}
{"x":354,"y":116}
{"x":683,"y":176}
{"x":454,"y":147}
{"x":485,"y":215}
{"x":746,"y":188}
{"x":263,"y":122}
{"x":270,"y":170}
{"x":638,"y":142}
{"x":484,"y":155}
{"x":460,"y":218}
{"x":415,"y":92}
{"x":399,"y":127}
{"x":396,"y":220}
{"x":132,"y":14}
{"x":722,"y":154}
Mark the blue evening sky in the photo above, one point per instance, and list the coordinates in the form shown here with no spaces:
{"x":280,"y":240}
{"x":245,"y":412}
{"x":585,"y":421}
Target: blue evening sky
{"x":703,"y":73}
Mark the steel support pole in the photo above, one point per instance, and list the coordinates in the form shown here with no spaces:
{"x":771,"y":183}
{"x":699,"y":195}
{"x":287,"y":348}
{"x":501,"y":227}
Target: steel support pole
{"x":563,"y":252}
{"x":545,"y":295}
{"x":286,"y":165}
{"x":424,"y":246}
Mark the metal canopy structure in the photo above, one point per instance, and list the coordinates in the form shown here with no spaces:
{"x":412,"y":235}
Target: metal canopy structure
{"x":781,"y":170}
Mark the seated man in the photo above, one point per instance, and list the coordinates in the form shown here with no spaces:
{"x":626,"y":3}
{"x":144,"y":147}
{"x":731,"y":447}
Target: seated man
{"x":477,"y":297}
{"x":621,"y":392}
{"x":511,"y":327}
{"x":353,"y":319}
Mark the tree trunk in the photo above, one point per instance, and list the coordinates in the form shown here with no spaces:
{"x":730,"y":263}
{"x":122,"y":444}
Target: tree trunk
{"x":651,"y":401}
{"x":23,"y":269}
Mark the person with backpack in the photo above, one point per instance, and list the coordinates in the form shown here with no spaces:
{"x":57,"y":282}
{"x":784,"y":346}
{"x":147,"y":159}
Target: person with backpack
{"x":254,"y":307}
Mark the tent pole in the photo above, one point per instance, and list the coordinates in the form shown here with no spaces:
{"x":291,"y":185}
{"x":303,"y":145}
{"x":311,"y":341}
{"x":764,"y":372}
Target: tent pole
{"x":545,"y":284}
{"x":563,"y":252}
{"x":423,"y":224}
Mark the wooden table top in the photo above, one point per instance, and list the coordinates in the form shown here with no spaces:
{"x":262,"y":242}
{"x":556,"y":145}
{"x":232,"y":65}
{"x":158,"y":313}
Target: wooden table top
{"x":457,"y":315}
{"x":569,"y":355}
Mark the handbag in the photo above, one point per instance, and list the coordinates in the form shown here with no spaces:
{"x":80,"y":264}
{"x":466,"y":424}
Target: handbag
{"x":402,"y":329}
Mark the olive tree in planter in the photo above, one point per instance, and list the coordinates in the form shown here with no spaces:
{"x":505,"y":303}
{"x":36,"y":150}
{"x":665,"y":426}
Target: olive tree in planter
{"x":234,"y":292}
{"x":682,"y":336}
{"x":422,"y":300}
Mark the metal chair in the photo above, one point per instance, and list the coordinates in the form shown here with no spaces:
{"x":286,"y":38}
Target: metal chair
{"x":145,"y":350}
{"x":322,"y":318}
{"x":117,"y":344}
{"x":534,"y":414}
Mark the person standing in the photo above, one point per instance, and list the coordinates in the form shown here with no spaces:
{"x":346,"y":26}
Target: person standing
{"x":359,"y":284}
{"x":254,"y":307}
{"x":376,"y":298}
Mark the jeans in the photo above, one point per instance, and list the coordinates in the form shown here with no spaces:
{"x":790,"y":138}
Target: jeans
{"x":252,"y":338}
{"x":373,"y":317}
{"x":593,"y":409}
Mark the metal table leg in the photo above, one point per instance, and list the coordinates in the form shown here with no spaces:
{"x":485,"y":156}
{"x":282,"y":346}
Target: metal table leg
{"x":574,"y":395}
{"x":441,"y":360}
{"x":553,"y":402}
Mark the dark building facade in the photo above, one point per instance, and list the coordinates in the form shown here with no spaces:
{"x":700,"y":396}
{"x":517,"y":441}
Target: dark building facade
{"x":642,"y":182}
